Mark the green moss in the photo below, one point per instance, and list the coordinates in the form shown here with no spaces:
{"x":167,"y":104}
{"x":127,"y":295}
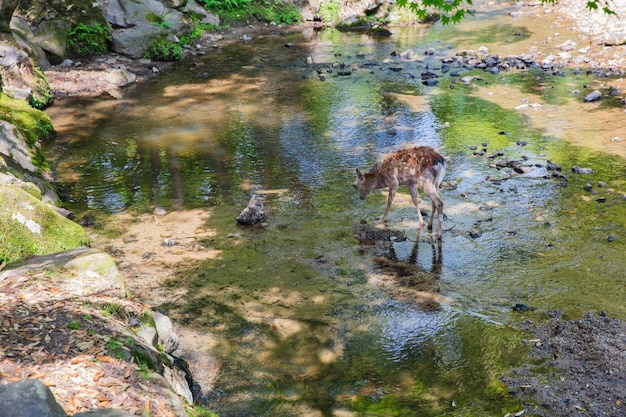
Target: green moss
{"x":42,"y":94}
{"x":29,"y":227}
{"x":33,"y":124}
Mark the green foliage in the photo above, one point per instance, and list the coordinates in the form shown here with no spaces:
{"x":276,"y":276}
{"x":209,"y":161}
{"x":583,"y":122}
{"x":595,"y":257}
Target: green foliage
{"x":91,"y":40}
{"x":329,"y":12}
{"x":164,"y":50}
{"x":226,"y":6}
{"x":116,"y":349}
{"x":74,"y":325}
{"x":196,"y":33}
{"x":452,"y":11}
{"x":277,"y":12}
{"x":114,"y":310}
{"x":197,"y":411}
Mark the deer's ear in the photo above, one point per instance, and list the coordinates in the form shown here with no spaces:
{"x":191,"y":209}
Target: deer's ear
{"x":374,"y":168}
{"x":358,"y":174}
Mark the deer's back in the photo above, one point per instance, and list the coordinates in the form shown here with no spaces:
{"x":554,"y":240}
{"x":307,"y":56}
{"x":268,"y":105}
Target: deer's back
{"x":411,"y":165}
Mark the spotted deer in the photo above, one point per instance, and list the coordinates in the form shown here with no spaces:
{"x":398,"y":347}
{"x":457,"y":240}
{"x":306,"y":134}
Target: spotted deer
{"x":421,"y":166}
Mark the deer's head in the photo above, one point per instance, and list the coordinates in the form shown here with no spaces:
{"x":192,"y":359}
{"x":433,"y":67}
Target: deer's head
{"x":365,"y":182}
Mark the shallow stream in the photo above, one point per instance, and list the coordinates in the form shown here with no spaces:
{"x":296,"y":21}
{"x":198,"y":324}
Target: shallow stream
{"x":306,"y":320}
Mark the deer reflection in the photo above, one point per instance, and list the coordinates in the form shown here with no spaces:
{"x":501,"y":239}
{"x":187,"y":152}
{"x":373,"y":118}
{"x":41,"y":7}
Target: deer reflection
{"x":414,"y":278}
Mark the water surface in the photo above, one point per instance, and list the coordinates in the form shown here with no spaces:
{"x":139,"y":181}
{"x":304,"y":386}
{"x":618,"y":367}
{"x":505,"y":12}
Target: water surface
{"x":305,"y":321}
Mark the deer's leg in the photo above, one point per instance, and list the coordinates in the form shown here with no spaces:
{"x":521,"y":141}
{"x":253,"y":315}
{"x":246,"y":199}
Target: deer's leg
{"x":415,"y":198}
{"x":392,"y":194}
{"x":431,"y":191}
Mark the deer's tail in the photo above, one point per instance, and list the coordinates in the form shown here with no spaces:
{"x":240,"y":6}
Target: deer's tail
{"x":439,"y":167}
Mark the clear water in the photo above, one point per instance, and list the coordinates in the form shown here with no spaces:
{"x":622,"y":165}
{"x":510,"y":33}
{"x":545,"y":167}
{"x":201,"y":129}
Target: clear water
{"x":305,"y":321}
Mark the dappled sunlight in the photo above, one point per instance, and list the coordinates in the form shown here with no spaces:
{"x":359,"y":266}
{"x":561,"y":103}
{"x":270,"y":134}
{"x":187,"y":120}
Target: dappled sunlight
{"x":415,"y":103}
{"x":568,"y":120}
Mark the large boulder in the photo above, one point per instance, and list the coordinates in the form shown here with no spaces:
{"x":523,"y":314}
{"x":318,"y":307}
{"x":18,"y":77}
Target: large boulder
{"x":27,"y":398}
{"x":141,"y":24}
{"x":20,"y":77}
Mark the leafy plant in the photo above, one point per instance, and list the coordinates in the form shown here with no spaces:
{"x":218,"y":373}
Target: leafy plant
{"x":115,"y":349}
{"x":277,"y":12}
{"x":85,"y":40}
{"x":74,"y":325}
{"x":114,"y":310}
{"x":329,"y":12}
{"x":164,"y":50}
{"x":226,"y":5}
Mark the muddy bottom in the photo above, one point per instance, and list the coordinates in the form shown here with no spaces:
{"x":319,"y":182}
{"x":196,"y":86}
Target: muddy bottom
{"x":586,"y":364}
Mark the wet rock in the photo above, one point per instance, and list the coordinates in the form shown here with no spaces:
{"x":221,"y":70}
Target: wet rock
{"x":87,"y":220}
{"x":611,"y":238}
{"x":253,"y":213}
{"x":580,"y":170}
{"x":430,"y":82}
{"x":408,"y":55}
{"x":551,"y":166}
{"x":522,"y":308}
{"x":367,"y":234}
{"x":475,"y":234}
{"x":593,"y":96}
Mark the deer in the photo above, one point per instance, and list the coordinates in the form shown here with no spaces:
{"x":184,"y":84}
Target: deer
{"x":420,"y":166}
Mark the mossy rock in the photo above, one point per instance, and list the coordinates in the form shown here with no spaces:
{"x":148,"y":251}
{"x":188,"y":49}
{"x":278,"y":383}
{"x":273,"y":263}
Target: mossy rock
{"x":30,"y":227}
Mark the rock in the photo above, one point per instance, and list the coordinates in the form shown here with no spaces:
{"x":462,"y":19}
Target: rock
{"x":593,"y":96}
{"x":52,"y":35}
{"x":19,"y":74}
{"x":614,"y":38}
{"x":253,"y":213}
{"x":474,"y":234}
{"x":567,"y":46}
{"x":408,"y":55}
{"x":136,"y":33}
{"x":104,"y":412}
{"x":25,"y":38}
{"x":95,"y":271}
{"x":165,"y":332}
{"x":206,"y":18}
{"x":579,"y":170}
{"x":121,"y":77}
{"x":28,"y":398}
